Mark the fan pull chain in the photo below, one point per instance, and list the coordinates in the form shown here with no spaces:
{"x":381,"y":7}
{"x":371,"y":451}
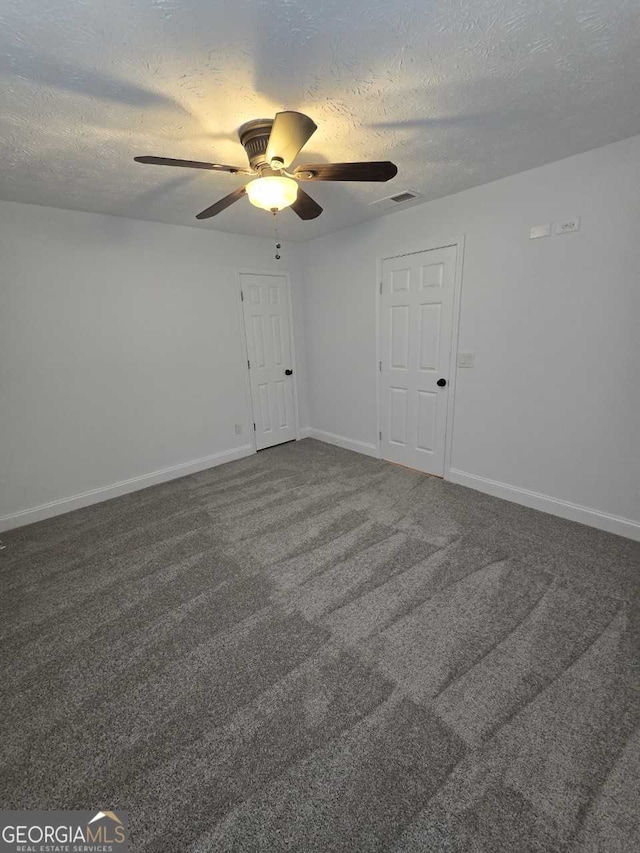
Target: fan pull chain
{"x":277,"y":255}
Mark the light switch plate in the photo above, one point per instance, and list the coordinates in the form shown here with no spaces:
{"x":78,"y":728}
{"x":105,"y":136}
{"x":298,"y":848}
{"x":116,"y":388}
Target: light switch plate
{"x":540,"y":231}
{"x":466,"y":359}
{"x":568,"y":226}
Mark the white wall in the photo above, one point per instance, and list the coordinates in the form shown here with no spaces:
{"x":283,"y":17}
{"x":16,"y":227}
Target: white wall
{"x":552,"y":406}
{"x":120,"y":353}
{"x":120,"y":345}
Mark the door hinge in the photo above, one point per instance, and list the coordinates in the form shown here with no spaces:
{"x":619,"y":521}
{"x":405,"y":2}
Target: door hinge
{"x":380,"y":366}
{"x":254,"y":427}
{"x":380,"y":435}
{"x":241,"y":296}
{"x":380,"y":288}
{"x":248,"y":364}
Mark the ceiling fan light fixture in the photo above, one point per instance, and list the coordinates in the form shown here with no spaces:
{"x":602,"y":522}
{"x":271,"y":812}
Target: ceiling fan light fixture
{"x":273,"y":192}
{"x":271,"y":146}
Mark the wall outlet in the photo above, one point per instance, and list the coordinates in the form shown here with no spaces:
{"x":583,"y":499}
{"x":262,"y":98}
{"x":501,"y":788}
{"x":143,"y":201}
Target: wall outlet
{"x":466,"y":359}
{"x":540,"y":231}
{"x":567,"y":226}
{"x":238,"y":429}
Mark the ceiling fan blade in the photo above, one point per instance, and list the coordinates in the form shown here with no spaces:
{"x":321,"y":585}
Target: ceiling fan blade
{"x":381,"y":170}
{"x":305,"y":206}
{"x":188,"y":164}
{"x":290,"y":131}
{"x":221,"y":205}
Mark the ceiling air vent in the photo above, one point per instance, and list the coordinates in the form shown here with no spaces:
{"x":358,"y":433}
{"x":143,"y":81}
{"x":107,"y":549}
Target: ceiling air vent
{"x":391,"y":201}
{"x":405,"y":196}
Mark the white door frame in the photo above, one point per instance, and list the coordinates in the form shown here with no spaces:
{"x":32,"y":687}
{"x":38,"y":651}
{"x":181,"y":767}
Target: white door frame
{"x":458,"y":242}
{"x":245,"y":352}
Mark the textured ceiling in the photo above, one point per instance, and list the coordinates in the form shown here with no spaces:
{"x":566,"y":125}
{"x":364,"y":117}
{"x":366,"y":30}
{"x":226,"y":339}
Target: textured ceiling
{"x":456,"y":92}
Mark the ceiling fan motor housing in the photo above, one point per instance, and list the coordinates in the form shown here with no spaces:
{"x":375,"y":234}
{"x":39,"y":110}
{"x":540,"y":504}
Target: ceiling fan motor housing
{"x":254,"y":137}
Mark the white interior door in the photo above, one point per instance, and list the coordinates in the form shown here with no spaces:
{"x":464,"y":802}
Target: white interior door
{"x":265,"y":304}
{"x":416,"y":333}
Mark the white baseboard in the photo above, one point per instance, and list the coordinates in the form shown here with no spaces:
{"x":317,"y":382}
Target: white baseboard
{"x":347,"y":443}
{"x":545,"y":503}
{"x":304,"y":432}
{"x":94,"y":496}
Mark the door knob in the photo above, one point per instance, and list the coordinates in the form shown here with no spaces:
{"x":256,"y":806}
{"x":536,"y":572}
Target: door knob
{"x":441,"y":383}
{"x":288,"y":372}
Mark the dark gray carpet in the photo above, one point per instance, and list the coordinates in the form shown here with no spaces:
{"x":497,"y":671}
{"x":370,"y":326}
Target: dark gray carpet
{"x":310,"y":650}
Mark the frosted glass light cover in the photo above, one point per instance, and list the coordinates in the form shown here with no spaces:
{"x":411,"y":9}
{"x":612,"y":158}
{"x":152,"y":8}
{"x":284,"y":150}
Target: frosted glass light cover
{"x":272,"y":192}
